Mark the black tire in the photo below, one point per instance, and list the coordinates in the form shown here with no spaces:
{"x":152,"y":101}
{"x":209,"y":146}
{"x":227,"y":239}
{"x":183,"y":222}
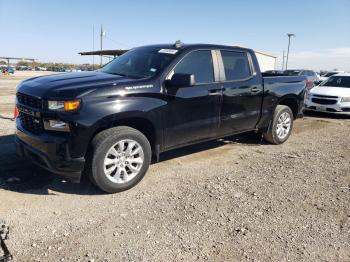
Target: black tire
{"x":271,"y":134}
{"x":100,"y":145}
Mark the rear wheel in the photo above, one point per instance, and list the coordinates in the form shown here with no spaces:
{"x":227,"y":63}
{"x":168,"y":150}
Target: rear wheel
{"x":120,"y":158}
{"x":281,"y":126}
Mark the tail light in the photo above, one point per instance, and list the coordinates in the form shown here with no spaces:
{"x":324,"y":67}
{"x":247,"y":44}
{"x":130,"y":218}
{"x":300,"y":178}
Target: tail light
{"x":15,"y":112}
{"x":308,"y":86}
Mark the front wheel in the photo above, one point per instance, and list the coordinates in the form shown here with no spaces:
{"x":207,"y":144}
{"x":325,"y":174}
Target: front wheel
{"x":120,"y":158}
{"x":281,"y":125}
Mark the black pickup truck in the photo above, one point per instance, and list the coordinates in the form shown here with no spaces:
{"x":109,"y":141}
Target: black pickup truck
{"x":109,"y":123}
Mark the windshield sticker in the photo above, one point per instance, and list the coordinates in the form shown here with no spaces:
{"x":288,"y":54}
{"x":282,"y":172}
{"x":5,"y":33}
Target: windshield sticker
{"x":168,"y":51}
{"x":138,"y":87}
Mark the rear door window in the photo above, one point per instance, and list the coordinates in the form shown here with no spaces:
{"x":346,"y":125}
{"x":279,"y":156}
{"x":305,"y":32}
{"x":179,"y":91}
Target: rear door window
{"x":236,"y":65}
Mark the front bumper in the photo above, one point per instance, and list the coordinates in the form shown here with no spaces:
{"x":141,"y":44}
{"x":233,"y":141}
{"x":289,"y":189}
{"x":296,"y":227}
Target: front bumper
{"x":342,"y":108}
{"x":50,"y":152}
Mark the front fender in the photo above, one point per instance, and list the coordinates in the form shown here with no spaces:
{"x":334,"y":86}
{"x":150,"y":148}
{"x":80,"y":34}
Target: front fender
{"x":99,"y":114}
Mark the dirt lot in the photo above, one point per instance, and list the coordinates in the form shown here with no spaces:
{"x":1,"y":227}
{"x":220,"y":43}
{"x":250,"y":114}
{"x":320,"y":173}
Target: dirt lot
{"x":235,"y":199}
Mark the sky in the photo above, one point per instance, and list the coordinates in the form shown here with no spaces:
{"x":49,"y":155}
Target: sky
{"x":55,"y":31}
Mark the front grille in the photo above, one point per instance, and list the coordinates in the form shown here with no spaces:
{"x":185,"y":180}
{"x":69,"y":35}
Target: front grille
{"x":322,"y":96}
{"x":31,"y":101}
{"x":324,"y":101}
{"x":31,"y":123}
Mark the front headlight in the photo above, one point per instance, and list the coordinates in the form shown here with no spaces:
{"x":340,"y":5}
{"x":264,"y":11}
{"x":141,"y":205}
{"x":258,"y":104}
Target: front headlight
{"x":64,"y":105}
{"x":345,"y":99}
{"x":308,"y":95}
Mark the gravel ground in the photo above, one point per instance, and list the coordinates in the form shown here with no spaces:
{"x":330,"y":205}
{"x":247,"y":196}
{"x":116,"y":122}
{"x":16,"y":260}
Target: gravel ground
{"x":237,"y":199}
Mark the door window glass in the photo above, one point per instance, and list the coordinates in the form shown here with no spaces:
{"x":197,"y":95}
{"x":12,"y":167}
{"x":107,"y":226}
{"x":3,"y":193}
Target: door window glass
{"x":236,"y":65}
{"x":198,"y":63}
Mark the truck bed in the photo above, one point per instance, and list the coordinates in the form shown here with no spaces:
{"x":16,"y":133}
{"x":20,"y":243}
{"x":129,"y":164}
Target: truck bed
{"x":277,"y":87}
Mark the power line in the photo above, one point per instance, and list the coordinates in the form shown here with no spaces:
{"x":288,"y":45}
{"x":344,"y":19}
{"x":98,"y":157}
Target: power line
{"x":103,"y":35}
{"x":119,"y":43}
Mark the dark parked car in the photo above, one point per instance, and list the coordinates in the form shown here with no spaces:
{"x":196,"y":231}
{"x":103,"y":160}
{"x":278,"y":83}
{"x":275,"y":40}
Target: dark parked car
{"x":274,"y":72}
{"x":311,"y":76}
{"x":7,"y":69}
{"x":151,"y":99}
{"x":23,"y":68}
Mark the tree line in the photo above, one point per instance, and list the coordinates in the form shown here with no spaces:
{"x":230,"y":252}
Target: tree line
{"x":64,"y":65}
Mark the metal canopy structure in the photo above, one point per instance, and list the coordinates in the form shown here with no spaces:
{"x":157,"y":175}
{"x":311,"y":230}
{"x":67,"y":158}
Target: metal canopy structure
{"x":114,"y":53}
{"x":266,"y":61}
{"x":8,"y":59}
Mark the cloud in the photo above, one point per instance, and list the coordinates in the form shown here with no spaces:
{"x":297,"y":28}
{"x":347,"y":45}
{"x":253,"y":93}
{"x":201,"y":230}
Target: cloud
{"x":322,"y":59}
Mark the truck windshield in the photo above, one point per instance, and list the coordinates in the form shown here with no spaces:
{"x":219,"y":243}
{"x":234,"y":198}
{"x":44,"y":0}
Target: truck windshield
{"x":337,"y":81}
{"x":138,"y":63}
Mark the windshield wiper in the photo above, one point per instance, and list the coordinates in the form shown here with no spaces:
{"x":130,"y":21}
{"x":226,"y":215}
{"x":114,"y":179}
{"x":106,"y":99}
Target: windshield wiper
{"x":119,"y":74}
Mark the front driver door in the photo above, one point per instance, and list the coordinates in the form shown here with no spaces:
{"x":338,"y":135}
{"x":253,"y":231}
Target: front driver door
{"x":193,"y":112}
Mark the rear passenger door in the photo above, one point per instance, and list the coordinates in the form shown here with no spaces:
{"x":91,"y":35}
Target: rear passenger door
{"x":242,"y":92}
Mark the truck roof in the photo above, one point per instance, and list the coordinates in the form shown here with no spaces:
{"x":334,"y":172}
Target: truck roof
{"x":195,"y":46}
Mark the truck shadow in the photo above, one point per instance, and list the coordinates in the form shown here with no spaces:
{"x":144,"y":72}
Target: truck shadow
{"x":249,"y":138}
{"x":20,"y":175}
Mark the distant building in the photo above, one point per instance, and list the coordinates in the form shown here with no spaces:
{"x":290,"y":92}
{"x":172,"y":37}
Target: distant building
{"x":266,"y":61}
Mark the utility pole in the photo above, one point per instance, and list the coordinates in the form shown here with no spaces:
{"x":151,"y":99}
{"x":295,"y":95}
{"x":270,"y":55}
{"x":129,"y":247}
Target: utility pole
{"x":102,"y":34}
{"x":93,"y":46}
{"x":289,"y":36}
{"x":283,"y":61}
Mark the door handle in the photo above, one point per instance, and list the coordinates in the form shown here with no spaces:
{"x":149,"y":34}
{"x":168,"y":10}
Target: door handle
{"x":254,"y":89}
{"x":215,"y":92}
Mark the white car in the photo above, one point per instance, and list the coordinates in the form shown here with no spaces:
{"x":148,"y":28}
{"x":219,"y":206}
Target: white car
{"x":329,"y":74}
{"x":332,"y":95}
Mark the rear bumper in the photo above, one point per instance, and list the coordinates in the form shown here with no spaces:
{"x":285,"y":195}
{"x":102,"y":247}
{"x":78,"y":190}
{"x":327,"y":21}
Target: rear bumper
{"x":49,"y":152}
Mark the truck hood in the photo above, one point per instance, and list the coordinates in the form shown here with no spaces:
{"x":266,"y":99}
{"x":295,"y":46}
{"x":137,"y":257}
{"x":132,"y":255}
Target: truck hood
{"x":330,"y":91}
{"x":69,"y":85}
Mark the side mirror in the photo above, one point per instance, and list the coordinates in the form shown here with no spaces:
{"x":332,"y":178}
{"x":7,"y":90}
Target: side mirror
{"x":181,"y":80}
